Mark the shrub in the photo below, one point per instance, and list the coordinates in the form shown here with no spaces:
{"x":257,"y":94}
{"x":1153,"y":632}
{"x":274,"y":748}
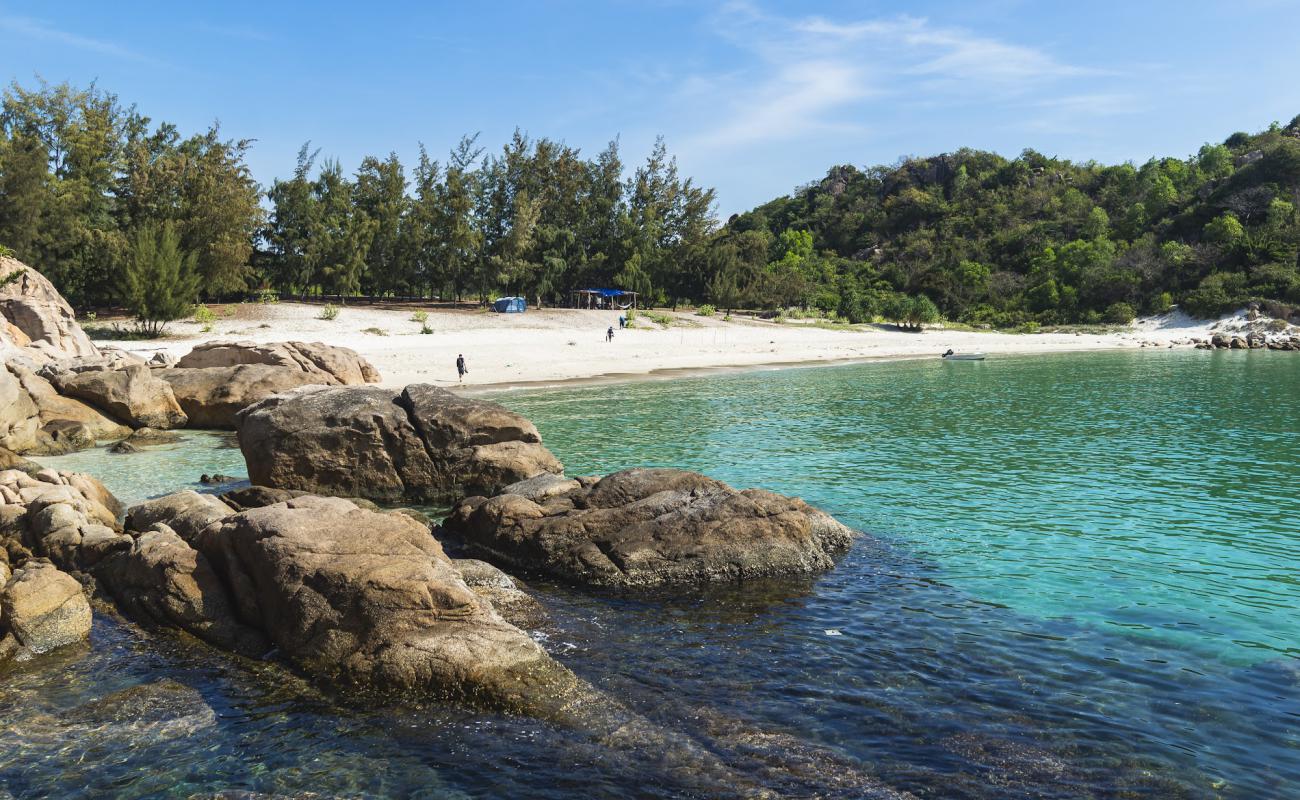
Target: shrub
{"x":267,"y":295}
{"x":329,"y":312}
{"x":426,"y":329}
{"x":1029,"y":327}
{"x":659,"y":319}
{"x":705,"y":310}
{"x":1119,"y":313}
{"x":375,"y":331}
{"x":203,"y":315}
{"x":420,"y":316}
{"x":160,"y":283}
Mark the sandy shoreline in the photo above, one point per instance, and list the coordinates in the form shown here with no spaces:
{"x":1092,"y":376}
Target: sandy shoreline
{"x":563,"y":346}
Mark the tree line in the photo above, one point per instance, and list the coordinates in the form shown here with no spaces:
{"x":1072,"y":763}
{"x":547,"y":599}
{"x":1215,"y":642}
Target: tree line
{"x":84,"y":181}
{"x":108,"y":203}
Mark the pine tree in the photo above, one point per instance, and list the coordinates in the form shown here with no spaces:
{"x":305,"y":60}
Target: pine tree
{"x":160,"y":281}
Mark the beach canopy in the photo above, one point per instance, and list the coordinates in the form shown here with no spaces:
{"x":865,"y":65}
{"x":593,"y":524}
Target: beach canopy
{"x":509,"y":305}
{"x":603,"y":298}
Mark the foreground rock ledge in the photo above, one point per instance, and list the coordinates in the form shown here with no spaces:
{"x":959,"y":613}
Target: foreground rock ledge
{"x":648,"y":527}
{"x":423,"y":444}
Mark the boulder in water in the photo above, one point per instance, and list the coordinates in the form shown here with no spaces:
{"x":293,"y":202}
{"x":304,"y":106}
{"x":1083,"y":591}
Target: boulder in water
{"x":43,"y":608}
{"x":424,"y":444}
{"x":649,"y":527}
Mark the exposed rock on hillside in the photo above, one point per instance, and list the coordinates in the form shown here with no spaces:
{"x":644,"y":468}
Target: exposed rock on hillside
{"x":646,"y":527}
{"x":423,"y":444}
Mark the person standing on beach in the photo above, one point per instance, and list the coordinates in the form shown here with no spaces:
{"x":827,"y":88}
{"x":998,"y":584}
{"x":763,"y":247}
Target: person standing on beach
{"x":460,"y":368}
{"x":609,"y":334}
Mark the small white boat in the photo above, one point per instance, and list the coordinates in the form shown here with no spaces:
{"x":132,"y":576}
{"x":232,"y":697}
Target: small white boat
{"x":963,"y":356}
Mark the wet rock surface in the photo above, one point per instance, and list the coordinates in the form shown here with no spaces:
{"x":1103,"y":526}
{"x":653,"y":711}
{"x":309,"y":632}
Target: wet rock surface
{"x":648,"y":527}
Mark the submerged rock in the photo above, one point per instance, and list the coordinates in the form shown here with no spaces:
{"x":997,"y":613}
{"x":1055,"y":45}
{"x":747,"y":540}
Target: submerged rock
{"x":160,"y":711}
{"x":647,"y":527}
{"x":424,"y":444}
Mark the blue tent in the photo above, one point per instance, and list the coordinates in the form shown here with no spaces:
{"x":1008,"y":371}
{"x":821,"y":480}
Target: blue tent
{"x":509,"y":305}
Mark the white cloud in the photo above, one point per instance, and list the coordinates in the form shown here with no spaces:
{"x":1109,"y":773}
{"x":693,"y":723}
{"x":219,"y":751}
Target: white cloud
{"x":43,"y":31}
{"x":808,"y":75}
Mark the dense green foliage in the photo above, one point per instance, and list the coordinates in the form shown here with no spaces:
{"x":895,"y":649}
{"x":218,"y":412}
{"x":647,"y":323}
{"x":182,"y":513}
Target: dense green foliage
{"x":160,"y":281}
{"x":970,"y":235}
{"x":1034,"y":239}
{"x":79,"y":175}
{"x":536,"y":219}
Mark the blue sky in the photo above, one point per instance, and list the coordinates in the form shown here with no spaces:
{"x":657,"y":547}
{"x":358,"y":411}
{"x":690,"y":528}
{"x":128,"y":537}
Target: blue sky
{"x":754,"y":98}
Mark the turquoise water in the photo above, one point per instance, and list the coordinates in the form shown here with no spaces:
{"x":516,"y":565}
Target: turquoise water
{"x":1155,"y":493}
{"x":1080,"y":579}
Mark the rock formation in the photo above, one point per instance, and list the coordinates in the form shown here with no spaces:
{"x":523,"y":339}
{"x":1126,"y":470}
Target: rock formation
{"x":133,"y":394}
{"x":648,"y":527}
{"x":211,"y":396}
{"x":324,"y":364}
{"x":41,"y":609}
{"x":35,"y":321}
{"x":424,"y":444}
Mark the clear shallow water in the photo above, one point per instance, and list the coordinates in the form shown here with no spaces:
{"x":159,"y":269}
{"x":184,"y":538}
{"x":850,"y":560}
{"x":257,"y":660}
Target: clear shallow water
{"x":1081,"y":581}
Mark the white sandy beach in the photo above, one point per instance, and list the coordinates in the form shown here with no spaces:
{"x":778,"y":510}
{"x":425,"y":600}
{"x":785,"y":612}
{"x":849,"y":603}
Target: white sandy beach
{"x":556,"y":345}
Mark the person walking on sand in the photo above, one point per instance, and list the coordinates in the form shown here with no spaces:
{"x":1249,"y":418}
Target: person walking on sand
{"x":461,"y":369}
{"x":609,"y":334}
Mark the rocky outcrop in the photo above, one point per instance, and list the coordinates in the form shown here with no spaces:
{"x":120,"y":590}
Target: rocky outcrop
{"x":424,"y":444}
{"x":54,"y":409}
{"x":133,"y":394}
{"x":211,"y":396}
{"x":41,"y":609}
{"x":648,"y":527}
{"x":163,"y":580}
{"x":321,"y":363}
{"x":66,"y":516}
{"x":359,"y":599}
{"x":186,"y":513}
{"x":35,"y":321}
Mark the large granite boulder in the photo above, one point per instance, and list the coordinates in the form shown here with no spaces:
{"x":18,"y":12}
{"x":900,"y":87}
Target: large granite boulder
{"x":649,"y":527}
{"x":54,"y":409}
{"x":163,"y":580}
{"x":424,"y":444}
{"x":132,"y":394}
{"x":20,"y":420}
{"x":321,"y":363}
{"x":359,"y":599}
{"x":66,"y":516}
{"x":211,"y":396}
{"x":42,"y":608}
{"x":185,"y":513}
{"x":35,"y":321}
